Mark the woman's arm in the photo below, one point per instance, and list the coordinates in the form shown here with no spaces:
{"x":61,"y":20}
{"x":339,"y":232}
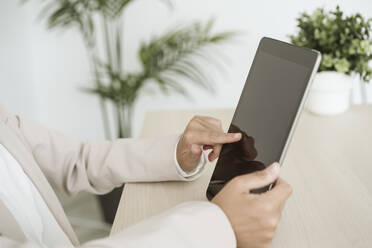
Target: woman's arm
{"x":188,"y":225}
{"x":97,"y":167}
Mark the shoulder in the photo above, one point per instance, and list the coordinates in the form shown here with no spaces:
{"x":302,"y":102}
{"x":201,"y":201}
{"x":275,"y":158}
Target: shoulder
{"x":9,"y":119}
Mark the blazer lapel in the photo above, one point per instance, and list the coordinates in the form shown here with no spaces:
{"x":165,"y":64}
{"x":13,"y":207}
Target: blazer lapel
{"x":10,"y":140}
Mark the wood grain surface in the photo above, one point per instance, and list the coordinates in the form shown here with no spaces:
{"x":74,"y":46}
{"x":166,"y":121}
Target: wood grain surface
{"x":329,"y":165}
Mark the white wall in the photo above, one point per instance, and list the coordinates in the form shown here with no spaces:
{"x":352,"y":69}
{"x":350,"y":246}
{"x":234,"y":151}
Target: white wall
{"x":16,"y":84}
{"x":41,"y":71}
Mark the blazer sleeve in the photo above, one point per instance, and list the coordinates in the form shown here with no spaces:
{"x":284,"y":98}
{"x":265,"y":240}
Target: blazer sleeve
{"x":189,"y":225}
{"x":97,"y":167}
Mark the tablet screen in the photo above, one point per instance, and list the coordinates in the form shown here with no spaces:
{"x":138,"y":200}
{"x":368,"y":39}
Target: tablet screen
{"x":265,"y":114}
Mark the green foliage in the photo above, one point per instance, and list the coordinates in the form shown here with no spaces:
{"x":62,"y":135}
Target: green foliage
{"x":164,"y":59}
{"x":344,"y":41}
{"x":72,"y":13}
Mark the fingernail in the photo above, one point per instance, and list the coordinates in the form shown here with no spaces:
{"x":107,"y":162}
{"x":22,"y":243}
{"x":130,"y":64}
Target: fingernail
{"x":237,"y":135}
{"x":275,"y":168}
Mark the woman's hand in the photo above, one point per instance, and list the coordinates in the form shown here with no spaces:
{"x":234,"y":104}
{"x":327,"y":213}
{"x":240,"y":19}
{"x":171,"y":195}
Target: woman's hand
{"x":254,"y":217}
{"x":202,"y":133}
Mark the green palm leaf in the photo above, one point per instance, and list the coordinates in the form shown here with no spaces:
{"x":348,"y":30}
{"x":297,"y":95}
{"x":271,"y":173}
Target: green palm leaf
{"x":176,"y":53}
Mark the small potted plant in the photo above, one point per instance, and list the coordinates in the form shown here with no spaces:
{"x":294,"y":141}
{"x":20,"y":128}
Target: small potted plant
{"x":345,"y":44}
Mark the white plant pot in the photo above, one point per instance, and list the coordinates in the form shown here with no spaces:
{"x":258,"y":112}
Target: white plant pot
{"x":330,"y":93}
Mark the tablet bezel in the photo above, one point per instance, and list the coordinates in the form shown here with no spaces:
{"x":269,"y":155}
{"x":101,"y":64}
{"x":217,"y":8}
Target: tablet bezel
{"x":309,"y":58}
{"x":304,"y":56}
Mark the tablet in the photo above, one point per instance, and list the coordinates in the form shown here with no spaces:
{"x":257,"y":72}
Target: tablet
{"x":267,"y":112}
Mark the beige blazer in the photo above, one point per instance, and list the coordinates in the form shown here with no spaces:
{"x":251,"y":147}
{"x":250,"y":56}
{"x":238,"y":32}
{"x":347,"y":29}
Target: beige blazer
{"x":48,"y":158}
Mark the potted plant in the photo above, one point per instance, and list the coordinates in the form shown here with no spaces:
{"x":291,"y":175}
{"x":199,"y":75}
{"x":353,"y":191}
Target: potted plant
{"x":165,"y":59}
{"x":177,"y":54}
{"x":345,"y":43}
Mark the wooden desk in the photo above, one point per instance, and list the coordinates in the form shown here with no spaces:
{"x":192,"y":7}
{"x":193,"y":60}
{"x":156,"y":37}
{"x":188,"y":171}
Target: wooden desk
{"x":329,"y":165}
